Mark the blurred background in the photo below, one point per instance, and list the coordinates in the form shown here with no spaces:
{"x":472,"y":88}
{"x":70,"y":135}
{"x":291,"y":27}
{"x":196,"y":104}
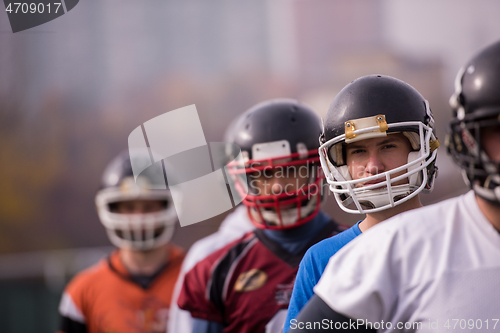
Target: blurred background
{"x":73,"y":89}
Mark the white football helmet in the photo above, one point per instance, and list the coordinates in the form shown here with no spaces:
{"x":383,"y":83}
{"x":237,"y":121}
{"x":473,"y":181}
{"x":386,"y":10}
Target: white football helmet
{"x":136,"y":231}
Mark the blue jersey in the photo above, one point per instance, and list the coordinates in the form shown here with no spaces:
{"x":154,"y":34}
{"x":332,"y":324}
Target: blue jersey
{"x":311,"y":268}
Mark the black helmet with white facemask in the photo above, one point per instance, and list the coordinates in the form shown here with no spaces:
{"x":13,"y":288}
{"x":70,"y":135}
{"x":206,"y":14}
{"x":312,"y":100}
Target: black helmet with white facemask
{"x":375,"y":106}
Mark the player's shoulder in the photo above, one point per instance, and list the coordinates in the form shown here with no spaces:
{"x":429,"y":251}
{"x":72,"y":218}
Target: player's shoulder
{"x":329,"y":246}
{"x":236,"y":223}
{"x":239,"y":242}
{"x":207,"y":244}
{"x":406,"y":230}
{"x":232,"y":229}
{"x":213,"y":268}
{"x":210,"y":244}
{"x":88,"y":277}
{"x":231,"y":249}
{"x":202,"y":248}
{"x":430,"y":219}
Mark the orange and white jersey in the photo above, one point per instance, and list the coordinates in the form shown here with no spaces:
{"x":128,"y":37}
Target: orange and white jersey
{"x":106,"y":298}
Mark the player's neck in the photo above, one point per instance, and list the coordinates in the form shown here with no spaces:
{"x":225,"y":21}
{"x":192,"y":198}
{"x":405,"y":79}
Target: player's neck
{"x":490,"y":211}
{"x":144,"y":262}
{"x":375,"y":218}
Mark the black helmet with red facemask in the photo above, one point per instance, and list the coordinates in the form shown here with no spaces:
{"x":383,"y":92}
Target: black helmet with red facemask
{"x":279,"y":138}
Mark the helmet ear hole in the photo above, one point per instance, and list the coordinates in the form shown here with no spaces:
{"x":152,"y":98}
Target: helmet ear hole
{"x":344,"y":172}
{"x":416,"y":178}
{"x":414,"y":139}
{"x":336,"y":154}
{"x":332,"y":155}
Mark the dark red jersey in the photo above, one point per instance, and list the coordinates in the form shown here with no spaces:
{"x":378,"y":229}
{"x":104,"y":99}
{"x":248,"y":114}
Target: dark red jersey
{"x":246,"y":285}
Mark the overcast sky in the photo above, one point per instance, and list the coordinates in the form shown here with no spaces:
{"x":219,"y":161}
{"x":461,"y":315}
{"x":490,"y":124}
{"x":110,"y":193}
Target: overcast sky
{"x":450,"y":29}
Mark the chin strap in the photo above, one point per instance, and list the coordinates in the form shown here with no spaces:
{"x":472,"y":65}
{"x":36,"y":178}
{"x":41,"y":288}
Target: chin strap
{"x":491,"y":194}
{"x":380,"y":197}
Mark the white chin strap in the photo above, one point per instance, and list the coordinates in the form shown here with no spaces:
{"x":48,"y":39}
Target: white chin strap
{"x":371,"y":199}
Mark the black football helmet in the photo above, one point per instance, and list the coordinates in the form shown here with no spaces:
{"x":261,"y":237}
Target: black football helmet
{"x":136,"y":231}
{"x":369,"y":107}
{"x":280,"y":133}
{"x":476,"y":105}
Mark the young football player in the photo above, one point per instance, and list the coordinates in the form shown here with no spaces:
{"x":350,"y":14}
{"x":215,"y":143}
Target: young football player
{"x":434,"y":269}
{"x":131,"y":290}
{"x":378,"y":153}
{"x":246,"y":285}
{"x":233,"y":227}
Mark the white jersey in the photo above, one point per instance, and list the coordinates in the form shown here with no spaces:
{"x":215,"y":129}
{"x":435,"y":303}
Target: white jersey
{"x":433,"y":269}
{"x":233,"y":227}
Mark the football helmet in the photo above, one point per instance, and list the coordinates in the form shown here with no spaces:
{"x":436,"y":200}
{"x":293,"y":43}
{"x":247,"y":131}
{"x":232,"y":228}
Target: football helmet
{"x":143,"y":231}
{"x":476,"y":105}
{"x":278,"y":136}
{"x":369,"y":107}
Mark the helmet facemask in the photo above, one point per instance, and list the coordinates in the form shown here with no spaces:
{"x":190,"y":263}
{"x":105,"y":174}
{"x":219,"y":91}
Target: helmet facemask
{"x":293,"y":204}
{"x":419,"y":169}
{"x":143,"y":231}
{"x":278,"y":142}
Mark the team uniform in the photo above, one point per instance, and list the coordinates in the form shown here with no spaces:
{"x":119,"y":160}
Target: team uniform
{"x":131,"y":291}
{"x":234,"y":226}
{"x":396,"y":274}
{"x":311,"y":268}
{"x":372,"y":108}
{"x":246,"y":285}
{"x":106,"y":298}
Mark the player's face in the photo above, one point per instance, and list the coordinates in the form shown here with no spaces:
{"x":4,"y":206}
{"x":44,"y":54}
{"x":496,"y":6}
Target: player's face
{"x":283,"y":182}
{"x":279,"y":180}
{"x":490,"y":137}
{"x":369,"y":157}
{"x":139,"y":206}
